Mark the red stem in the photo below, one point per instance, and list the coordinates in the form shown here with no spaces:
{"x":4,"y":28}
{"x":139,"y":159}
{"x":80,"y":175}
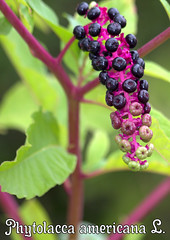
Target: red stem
{"x":88,"y":87}
{"x":10,"y":207}
{"x":75,"y":211}
{"x":149,"y":203}
{"x":63,"y":52}
{"x":154,"y":43}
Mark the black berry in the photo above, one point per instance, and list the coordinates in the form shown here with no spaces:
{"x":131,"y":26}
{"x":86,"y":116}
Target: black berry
{"x":112,"y":12}
{"x":111,"y":44}
{"x":143,"y":96}
{"x":106,"y":54}
{"x":120,"y":19}
{"x":114,"y":28}
{"x":103,"y":77}
{"x":93,"y":13}
{"x":112,"y":84}
{"x":84,"y":44}
{"x":140,"y":61}
{"x":135,"y":55}
{"x":79,"y":32}
{"x":109,"y":98}
{"x":147,"y":108}
{"x":129,"y":85}
{"x":144,"y":85}
{"x":82,"y":8}
{"x":100,"y":63}
{"x":94,"y":29}
{"x":119,"y":101}
{"x":94,"y":47}
{"x":92,"y":56}
{"x":119,"y":63}
{"x":137,"y":70}
{"x":131,"y":40}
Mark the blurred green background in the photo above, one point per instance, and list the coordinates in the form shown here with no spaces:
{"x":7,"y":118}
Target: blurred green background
{"x":110,"y":197}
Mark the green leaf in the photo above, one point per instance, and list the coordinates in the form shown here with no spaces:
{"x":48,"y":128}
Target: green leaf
{"x":26,"y":17}
{"x":155,"y":70}
{"x":5,"y":26}
{"x":40,"y":215}
{"x":18,"y":117}
{"x":166,"y":6}
{"x":96,"y":152}
{"x":43,"y":10}
{"x":40,"y":164}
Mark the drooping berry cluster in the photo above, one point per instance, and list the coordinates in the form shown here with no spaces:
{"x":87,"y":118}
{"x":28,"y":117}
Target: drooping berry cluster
{"x":121,"y":70}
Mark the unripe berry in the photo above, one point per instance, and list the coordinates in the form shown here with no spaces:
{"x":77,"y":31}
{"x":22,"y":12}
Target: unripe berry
{"x":134,"y":166}
{"x":145,"y":133}
{"x":141,"y":153}
{"x":146,"y":120}
{"x":151,"y":148}
{"x":116,"y":120}
{"x":118,"y":139}
{"x":136,"y":108}
{"x":126,"y":159}
{"x":125,"y":146}
{"x":144,"y":166}
{"x":128,"y":127}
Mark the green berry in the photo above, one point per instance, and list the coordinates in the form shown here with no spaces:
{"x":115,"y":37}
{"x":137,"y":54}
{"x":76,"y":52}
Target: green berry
{"x":147,"y":120}
{"x":144,"y":166}
{"x":126,"y":159}
{"x":118,"y":139}
{"x":150,"y":150}
{"x":125,"y":146}
{"x":136,"y":109}
{"x":145,"y":133}
{"x":116,"y":120}
{"x":134,"y":166}
{"x":141,"y":152}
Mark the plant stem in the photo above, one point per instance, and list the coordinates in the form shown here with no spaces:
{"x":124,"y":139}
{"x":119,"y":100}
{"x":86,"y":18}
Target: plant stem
{"x":63,"y":52}
{"x":88,"y":87}
{"x":154,"y":43}
{"x":75,"y":211}
{"x":10,"y":207}
{"x":149,"y":203}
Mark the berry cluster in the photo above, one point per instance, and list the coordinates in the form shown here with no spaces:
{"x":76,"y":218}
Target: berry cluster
{"x":121,"y":70}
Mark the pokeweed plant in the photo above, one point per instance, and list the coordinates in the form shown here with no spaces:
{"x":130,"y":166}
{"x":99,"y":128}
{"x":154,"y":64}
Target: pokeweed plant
{"x":52,"y":153}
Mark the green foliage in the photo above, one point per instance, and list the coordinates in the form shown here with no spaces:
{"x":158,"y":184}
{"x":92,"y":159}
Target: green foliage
{"x":26,"y":17}
{"x":40,"y":164}
{"x":155,"y":70}
{"x":5,"y":26}
{"x":166,"y":5}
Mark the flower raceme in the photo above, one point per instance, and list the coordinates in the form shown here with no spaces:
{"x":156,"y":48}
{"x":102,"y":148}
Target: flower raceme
{"x":121,"y":70}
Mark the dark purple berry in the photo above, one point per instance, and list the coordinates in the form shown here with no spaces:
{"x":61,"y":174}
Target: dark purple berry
{"x":144,"y":85}
{"x":111,"y":44}
{"x":100,"y":63}
{"x":92,"y":56}
{"x":94,"y":47}
{"x":82,"y":8}
{"x":120,"y":19}
{"x":107,"y":54}
{"x":143,"y":96}
{"x":116,"y":120}
{"x":103,"y":77}
{"x":112,"y":12}
{"x":140,"y":61}
{"x":109,"y":98}
{"x":84,"y":44}
{"x":131,"y":40}
{"x":119,"y":63}
{"x":79,"y":32}
{"x":128,"y":127}
{"x":93,"y":13}
{"x":137,"y":70}
{"x":94,"y":29}
{"x":147,"y":108}
{"x":112,"y":84}
{"x":114,"y":28}
{"x":129,"y":85}
{"x":119,"y":101}
{"x":135,"y":55}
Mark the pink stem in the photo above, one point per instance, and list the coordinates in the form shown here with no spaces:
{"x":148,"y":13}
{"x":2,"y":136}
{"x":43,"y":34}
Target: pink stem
{"x":149,"y":203}
{"x":10,"y":207}
{"x":63,"y":52}
{"x":88,"y":87}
